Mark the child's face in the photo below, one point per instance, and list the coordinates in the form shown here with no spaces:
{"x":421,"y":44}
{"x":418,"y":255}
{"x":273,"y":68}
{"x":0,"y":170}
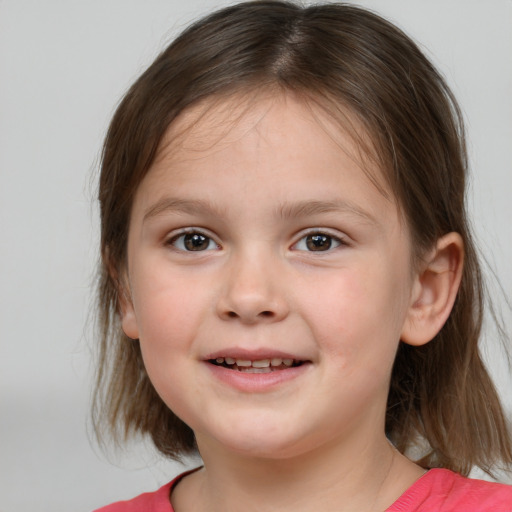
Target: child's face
{"x":258,"y":238}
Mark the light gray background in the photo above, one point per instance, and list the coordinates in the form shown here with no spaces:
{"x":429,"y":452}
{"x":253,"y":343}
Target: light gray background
{"x":63,"y":66}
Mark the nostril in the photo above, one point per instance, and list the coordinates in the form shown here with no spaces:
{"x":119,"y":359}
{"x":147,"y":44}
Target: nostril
{"x":264,"y":314}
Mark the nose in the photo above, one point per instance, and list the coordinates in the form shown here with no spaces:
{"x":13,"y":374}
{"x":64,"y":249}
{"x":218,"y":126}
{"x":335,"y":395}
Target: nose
{"x":252,"y":291}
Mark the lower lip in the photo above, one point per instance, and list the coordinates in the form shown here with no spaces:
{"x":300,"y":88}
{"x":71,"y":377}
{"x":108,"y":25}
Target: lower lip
{"x":256,"y":382}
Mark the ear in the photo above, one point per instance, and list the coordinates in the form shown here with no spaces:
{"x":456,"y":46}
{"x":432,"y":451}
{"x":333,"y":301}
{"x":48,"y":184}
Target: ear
{"x":434,"y":291}
{"x":124,"y":300}
{"x":127,"y":311}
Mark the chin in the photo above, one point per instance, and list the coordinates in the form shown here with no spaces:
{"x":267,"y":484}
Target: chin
{"x":266,"y":443}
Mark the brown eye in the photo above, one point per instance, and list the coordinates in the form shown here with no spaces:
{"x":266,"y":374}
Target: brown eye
{"x":318,"y":242}
{"x":193,"y":242}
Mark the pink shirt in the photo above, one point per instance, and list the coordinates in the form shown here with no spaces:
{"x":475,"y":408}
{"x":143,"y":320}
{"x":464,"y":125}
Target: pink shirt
{"x":439,"y":490}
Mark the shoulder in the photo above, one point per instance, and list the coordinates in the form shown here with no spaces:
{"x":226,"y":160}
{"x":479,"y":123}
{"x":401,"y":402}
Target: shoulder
{"x":445,"y":491}
{"x":157,"y":501}
{"x":457,"y":490}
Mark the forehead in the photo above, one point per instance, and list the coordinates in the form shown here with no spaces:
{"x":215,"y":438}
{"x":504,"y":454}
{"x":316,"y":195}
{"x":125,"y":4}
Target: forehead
{"x":217,"y":122}
{"x":294,"y":146}
{"x":254,"y":162}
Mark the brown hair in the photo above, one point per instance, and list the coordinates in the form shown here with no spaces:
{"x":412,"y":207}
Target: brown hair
{"x":346,"y":58}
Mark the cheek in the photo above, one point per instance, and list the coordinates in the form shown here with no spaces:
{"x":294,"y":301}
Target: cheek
{"x":358,"y":317}
{"x":167,"y":303}
{"x":169,"y":326}
{"x":168,"y":317}
{"x":167,"y":323}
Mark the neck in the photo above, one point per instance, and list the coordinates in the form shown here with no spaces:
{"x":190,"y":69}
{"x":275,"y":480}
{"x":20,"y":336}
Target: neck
{"x":355,"y":477}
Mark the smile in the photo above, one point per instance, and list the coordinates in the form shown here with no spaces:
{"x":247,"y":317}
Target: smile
{"x":256,"y":366}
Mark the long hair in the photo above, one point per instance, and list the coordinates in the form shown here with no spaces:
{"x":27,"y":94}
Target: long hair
{"x":345,"y":59}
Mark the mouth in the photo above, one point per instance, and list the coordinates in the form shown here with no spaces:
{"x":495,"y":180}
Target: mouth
{"x":256,"y":366}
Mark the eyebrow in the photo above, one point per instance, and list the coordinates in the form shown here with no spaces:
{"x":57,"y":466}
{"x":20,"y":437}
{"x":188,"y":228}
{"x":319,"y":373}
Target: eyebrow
{"x":174,"y":204}
{"x":314,"y":207}
{"x":285,"y":211}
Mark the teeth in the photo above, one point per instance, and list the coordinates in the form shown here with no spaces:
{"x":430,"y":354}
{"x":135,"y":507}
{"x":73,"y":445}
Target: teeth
{"x":259,"y":364}
{"x":262,"y":363}
{"x":256,"y":370}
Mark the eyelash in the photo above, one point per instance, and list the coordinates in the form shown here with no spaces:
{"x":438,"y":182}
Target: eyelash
{"x":334,"y":241}
{"x":179,"y":241}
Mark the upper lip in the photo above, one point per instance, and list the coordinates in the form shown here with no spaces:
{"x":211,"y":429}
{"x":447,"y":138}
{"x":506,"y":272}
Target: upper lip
{"x":253,"y":354}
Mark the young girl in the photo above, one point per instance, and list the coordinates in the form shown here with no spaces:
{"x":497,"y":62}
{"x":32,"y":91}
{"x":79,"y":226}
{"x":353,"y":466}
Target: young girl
{"x":289,"y":285}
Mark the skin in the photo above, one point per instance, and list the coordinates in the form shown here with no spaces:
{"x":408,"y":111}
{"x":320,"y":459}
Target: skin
{"x":256,"y":184}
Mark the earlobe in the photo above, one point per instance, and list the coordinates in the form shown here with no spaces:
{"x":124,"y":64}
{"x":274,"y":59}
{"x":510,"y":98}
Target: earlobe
{"x":434,"y":290}
{"x":128,"y":319}
{"x":119,"y":281}
{"x":125,"y":308}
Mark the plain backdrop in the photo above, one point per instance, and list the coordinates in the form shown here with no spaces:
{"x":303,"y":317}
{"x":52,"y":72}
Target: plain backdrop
{"x":64,"y":65}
